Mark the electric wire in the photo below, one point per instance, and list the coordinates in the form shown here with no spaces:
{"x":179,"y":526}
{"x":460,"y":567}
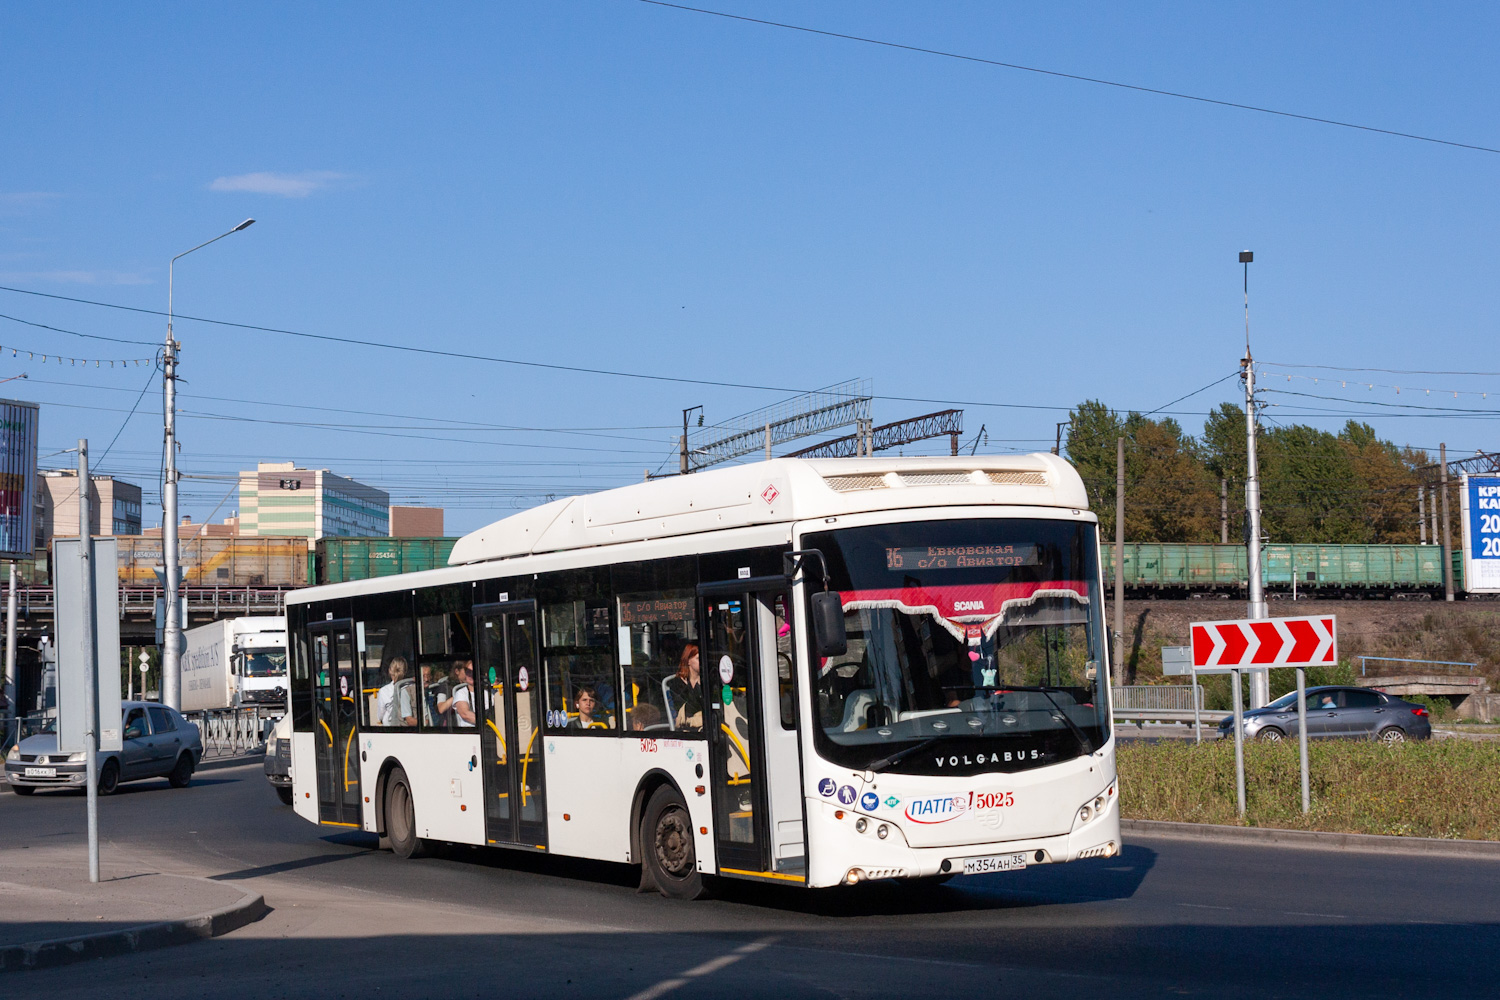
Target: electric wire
{"x":1072,"y":76}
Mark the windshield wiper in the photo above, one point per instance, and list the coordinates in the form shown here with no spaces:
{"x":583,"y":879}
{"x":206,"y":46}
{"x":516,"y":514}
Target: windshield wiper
{"x":900,"y":755}
{"x":1062,"y":715}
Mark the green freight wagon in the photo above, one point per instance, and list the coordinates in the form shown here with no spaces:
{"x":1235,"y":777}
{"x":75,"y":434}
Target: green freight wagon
{"x":336,"y":560}
{"x":1172,"y":567}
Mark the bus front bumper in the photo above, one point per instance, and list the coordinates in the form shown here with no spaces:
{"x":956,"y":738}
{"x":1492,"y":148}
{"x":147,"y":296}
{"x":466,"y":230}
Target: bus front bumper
{"x":851,"y":855}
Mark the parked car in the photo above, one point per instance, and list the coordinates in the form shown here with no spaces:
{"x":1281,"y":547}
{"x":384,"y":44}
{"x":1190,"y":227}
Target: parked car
{"x":278,"y":762}
{"x":157,"y":743}
{"x":1336,"y":712}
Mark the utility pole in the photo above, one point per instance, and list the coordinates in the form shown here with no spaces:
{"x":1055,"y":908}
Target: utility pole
{"x":1057,"y":448}
{"x":1259,"y":679}
{"x":1421,"y":517}
{"x":1447,"y":537}
{"x":1223,"y":511}
{"x":171,"y":652}
{"x":1120,"y":559}
{"x":90,"y":659}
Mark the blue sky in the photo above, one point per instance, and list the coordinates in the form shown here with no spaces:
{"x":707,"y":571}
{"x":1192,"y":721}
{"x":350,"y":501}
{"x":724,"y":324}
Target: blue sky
{"x":621,"y":186}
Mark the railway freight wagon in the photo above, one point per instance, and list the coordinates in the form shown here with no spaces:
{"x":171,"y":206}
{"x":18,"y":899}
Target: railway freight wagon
{"x":1173,"y":568}
{"x":337,"y":560}
{"x":241,"y":561}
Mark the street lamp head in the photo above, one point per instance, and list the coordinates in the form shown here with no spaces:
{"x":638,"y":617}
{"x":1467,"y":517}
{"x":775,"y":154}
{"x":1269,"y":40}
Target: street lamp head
{"x":250,"y":222}
{"x":1246,"y":256}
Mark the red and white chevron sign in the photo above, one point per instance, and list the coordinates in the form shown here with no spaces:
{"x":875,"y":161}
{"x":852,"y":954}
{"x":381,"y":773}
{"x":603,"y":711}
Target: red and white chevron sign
{"x":1266,"y":642}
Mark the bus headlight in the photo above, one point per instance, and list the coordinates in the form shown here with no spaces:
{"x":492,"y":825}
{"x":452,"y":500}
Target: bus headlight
{"x":882,"y":831}
{"x":861,"y":824}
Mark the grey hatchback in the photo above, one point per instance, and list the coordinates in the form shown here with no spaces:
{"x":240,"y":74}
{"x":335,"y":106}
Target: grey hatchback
{"x":1334,"y":712}
{"x":157,"y":742}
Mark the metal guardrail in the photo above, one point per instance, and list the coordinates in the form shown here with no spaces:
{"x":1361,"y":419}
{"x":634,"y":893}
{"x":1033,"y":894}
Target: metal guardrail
{"x":230,"y":732}
{"x":1425,"y":665}
{"x":1157,"y":702}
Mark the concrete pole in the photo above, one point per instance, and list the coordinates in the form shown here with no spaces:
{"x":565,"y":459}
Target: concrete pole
{"x":89,"y":642}
{"x":171,"y":645}
{"x":1432,"y":506}
{"x":768,"y":442}
{"x":1447,"y":535}
{"x":1421,"y":516}
{"x":1260,"y":680}
{"x":1120,"y":560}
{"x":1223,"y":511}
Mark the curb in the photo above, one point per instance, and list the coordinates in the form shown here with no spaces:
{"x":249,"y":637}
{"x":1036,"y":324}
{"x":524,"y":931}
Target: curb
{"x":1271,"y":837}
{"x":143,"y":937}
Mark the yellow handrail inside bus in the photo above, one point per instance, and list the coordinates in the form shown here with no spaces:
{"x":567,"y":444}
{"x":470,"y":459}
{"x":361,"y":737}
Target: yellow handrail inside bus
{"x":525,"y":763}
{"x":348,"y":744}
{"x":498,"y":736}
{"x":744,"y":754}
{"x":328,"y":731}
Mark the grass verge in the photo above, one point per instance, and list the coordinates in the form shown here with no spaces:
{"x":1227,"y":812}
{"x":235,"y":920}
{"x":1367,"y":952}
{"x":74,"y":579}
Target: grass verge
{"x":1447,"y":788}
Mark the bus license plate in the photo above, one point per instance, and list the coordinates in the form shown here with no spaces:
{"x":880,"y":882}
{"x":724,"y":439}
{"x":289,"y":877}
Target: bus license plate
{"x":996,"y":863}
{"x":41,"y":772}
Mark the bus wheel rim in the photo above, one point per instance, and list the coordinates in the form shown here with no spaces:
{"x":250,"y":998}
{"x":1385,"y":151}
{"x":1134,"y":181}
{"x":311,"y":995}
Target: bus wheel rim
{"x":674,"y":843}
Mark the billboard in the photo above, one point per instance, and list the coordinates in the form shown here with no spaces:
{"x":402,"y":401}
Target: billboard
{"x":1480,"y":503}
{"x":17,"y":479}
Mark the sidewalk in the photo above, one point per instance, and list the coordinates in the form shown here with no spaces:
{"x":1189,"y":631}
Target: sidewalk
{"x":50,"y":914}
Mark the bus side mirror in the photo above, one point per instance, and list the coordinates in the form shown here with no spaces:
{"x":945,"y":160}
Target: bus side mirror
{"x":829,"y":636}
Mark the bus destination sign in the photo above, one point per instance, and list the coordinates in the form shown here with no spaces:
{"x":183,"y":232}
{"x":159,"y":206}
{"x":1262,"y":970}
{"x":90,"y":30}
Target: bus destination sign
{"x":961,"y":557}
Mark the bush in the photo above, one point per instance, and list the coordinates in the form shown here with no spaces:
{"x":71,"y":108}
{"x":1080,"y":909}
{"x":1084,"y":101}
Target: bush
{"x":1448,"y":788}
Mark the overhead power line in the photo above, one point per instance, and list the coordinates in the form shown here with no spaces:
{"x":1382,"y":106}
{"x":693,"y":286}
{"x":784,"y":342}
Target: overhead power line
{"x":1383,"y":371}
{"x":1072,"y":76}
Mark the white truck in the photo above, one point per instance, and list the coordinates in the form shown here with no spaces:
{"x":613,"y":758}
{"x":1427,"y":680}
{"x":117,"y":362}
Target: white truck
{"x":236,"y":663}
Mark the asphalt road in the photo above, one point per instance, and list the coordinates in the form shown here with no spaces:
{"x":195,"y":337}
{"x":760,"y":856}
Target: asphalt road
{"x":1169,"y":917}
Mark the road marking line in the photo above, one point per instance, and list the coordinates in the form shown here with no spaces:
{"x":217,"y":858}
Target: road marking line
{"x":707,"y":968}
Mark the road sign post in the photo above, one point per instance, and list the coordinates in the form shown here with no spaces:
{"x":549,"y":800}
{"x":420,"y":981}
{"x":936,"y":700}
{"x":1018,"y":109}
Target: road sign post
{"x":88,"y":651}
{"x":1261,"y":645}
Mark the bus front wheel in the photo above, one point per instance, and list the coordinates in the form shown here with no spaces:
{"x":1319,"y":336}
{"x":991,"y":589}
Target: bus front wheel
{"x":401,"y":817}
{"x":667,"y":843}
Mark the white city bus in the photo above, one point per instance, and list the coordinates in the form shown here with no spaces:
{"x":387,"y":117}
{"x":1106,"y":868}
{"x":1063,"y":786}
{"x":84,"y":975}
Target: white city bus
{"x":660,"y":675}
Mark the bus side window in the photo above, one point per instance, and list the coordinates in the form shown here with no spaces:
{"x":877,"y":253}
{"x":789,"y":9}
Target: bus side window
{"x":654,"y":648}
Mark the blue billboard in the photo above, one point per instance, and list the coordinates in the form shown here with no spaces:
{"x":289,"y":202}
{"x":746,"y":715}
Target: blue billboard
{"x":1481,"y":522}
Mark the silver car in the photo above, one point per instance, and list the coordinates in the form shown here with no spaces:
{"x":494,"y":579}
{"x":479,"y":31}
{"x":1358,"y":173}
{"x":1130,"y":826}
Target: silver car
{"x":1336,"y":712}
{"x":157,"y":743}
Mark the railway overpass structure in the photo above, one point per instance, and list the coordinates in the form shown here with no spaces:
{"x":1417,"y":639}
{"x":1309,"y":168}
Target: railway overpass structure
{"x":36,"y":608}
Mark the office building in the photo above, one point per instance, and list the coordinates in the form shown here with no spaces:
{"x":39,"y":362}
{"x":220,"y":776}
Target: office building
{"x":114,"y":506}
{"x":278,"y":498}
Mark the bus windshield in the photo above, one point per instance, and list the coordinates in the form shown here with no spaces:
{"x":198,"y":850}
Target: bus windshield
{"x":268,"y":662}
{"x":974,"y":645}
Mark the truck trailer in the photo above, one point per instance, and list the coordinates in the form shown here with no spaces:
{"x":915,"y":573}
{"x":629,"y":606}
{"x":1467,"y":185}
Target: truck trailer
{"x":236,"y":663}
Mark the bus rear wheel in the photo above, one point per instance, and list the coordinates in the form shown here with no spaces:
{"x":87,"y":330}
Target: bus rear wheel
{"x":401,"y":817}
{"x":667,"y":843}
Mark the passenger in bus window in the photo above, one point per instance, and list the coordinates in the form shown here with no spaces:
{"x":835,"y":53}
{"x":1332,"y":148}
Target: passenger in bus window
{"x":462,"y":702}
{"x":394,"y":703}
{"x":685,"y":691}
{"x":587,"y":701}
{"x":435,"y":691}
{"x":645,"y":716}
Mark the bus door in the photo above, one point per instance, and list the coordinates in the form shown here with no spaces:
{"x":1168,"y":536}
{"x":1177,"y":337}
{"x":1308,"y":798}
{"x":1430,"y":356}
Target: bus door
{"x":335,"y":694}
{"x":752,"y":759}
{"x":510,"y":726}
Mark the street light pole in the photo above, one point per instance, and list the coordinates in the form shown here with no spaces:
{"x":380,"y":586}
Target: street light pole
{"x":1260,"y":692}
{"x":171,"y":653}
